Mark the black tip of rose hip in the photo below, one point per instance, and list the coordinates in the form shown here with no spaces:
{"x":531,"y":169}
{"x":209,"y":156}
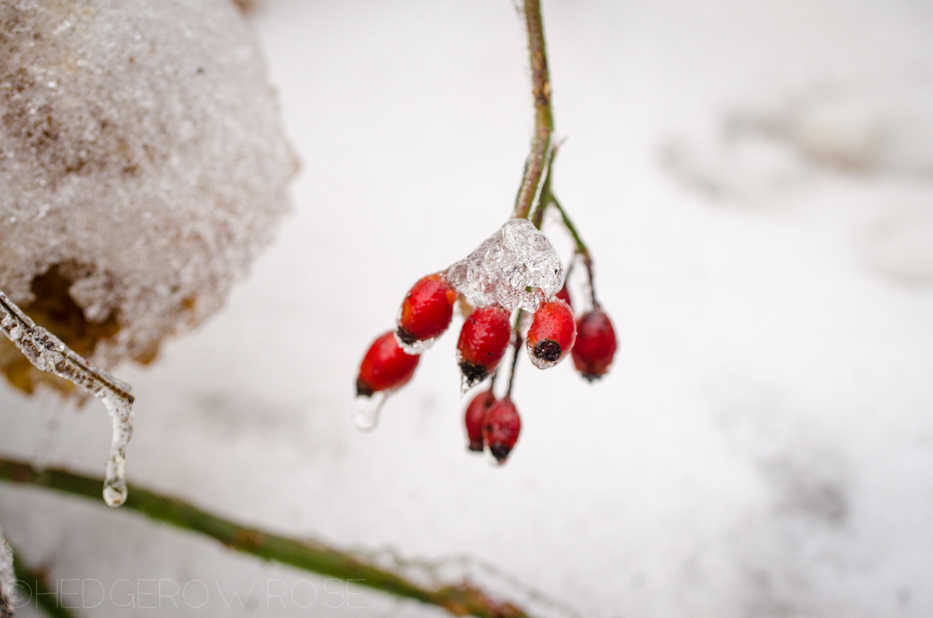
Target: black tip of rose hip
{"x":592,"y":377}
{"x":476,"y":447}
{"x":499,"y":451}
{"x":473,"y":372}
{"x":405,"y":337}
{"x":363,"y":389}
{"x":547,"y":350}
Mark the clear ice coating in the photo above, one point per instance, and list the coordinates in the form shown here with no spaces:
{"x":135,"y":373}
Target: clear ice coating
{"x":366,"y":415}
{"x":540,"y":363}
{"x":48,"y":353}
{"x":516,"y":268}
{"x":417,"y":347}
{"x":466,"y":383}
{"x":7,"y":578}
{"x":141,"y":150}
{"x":121,"y":418}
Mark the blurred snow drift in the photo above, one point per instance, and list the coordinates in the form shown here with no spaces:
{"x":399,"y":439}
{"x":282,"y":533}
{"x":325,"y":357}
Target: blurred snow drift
{"x":142,"y":166}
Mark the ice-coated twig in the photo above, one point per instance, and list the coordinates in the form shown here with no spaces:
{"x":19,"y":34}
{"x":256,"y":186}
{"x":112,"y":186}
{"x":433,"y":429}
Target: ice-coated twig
{"x":537,"y":215}
{"x":7,"y":578}
{"x":468,"y":568}
{"x":48,"y":353}
{"x":462,"y":598}
{"x":581,"y":249}
{"x":544,"y":120}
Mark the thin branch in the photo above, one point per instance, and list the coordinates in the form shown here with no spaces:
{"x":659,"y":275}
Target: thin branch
{"x":462,"y":599}
{"x":581,"y":249}
{"x":492,"y":380}
{"x":544,"y":200}
{"x":48,"y":353}
{"x":36,"y":343}
{"x":544,"y":120}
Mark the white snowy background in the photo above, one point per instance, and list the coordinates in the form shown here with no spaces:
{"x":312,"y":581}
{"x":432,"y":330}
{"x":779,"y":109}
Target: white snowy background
{"x":756,"y":182}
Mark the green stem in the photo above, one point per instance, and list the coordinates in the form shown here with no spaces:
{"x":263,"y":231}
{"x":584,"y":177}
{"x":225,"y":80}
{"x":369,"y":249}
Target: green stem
{"x":460,"y":600}
{"x":492,"y":380}
{"x":544,"y":120}
{"x":581,"y":249}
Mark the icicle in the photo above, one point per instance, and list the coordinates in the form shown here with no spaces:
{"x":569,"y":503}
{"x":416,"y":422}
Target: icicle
{"x":48,"y":353}
{"x":366,"y":415}
{"x":121,"y":417}
{"x":7,"y":579}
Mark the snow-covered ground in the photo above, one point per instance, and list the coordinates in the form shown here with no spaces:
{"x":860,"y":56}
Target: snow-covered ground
{"x":756,"y":182}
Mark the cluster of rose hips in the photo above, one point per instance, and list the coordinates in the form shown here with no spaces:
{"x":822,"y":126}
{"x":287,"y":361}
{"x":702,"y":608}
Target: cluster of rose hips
{"x":486,"y":334}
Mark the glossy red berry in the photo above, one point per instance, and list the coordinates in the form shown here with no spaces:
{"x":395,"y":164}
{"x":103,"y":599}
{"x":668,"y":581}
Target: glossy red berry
{"x":483,"y":340}
{"x":564,"y":295}
{"x":474,"y":417}
{"x":501,"y":428}
{"x":386,"y":366}
{"x":427,"y":310}
{"x":552,"y":333}
{"x":596,"y":344}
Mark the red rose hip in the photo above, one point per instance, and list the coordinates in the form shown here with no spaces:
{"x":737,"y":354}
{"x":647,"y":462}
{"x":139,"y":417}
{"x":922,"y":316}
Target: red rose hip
{"x":552,"y":334}
{"x":474,"y":417}
{"x":386,"y":366}
{"x":501,"y":428}
{"x":596,"y":344}
{"x":426,"y":312}
{"x":483,"y":340}
{"x":564,"y":295}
